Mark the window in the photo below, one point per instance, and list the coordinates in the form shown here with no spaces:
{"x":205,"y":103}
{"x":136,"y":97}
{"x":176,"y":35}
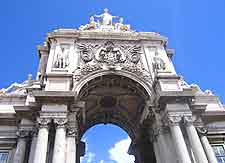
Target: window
{"x":219,"y":152}
{"x":4,"y":156}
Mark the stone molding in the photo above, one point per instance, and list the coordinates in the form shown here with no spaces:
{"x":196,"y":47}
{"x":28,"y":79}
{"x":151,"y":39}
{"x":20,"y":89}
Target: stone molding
{"x":53,"y":115}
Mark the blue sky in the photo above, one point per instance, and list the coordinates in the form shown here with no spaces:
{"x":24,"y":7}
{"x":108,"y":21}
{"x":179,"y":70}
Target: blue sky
{"x":195,"y":30}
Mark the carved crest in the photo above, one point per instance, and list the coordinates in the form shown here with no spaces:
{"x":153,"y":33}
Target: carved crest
{"x":110,"y":54}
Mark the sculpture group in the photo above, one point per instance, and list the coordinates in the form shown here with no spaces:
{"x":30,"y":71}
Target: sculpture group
{"x":105,"y":23}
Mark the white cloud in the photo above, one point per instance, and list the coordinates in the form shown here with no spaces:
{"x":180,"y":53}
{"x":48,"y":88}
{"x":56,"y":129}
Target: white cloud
{"x":102,"y":161}
{"x":119,"y":153}
{"x":88,"y":158}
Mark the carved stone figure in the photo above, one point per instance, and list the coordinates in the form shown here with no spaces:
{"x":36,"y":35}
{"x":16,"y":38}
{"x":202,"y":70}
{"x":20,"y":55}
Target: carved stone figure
{"x":92,"y":24}
{"x":122,"y":27}
{"x":104,"y":22}
{"x":62,"y":59}
{"x":106,"y":17}
{"x":158,"y":62}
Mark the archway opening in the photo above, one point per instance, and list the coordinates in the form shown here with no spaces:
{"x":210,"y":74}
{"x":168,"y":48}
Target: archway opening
{"x":106,"y":144}
{"x":118,"y":100}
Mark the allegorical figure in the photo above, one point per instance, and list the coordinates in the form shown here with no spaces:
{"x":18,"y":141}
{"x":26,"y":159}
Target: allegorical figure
{"x":106,"y":17}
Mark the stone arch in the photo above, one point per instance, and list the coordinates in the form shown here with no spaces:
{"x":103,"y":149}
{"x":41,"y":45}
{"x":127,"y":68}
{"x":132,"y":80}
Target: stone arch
{"x":130,"y":131}
{"x":146,"y":84}
{"x":116,"y":97}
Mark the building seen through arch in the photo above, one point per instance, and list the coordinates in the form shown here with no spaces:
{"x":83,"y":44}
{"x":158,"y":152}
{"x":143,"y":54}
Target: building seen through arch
{"x":105,"y":72}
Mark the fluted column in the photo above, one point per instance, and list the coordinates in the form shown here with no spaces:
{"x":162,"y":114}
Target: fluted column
{"x":72,"y":138}
{"x":195,"y":142}
{"x":60,"y":141}
{"x":33,"y":146}
{"x":21,"y":146}
{"x":178,"y":138}
{"x":42,"y":141}
{"x":207,"y":147}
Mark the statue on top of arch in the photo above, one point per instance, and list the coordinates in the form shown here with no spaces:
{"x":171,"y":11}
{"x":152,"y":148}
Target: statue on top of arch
{"x":104,"y":22}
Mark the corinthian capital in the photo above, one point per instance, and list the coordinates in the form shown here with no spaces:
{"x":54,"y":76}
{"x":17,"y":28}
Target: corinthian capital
{"x":188,"y":119}
{"x":23,"y":133}
{"x":60,"y":122}
{"x":43,"y":122}
{"x":174,"y":119}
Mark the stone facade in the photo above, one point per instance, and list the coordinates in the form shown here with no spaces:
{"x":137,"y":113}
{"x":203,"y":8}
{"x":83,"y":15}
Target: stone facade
{"x":107,"y":73}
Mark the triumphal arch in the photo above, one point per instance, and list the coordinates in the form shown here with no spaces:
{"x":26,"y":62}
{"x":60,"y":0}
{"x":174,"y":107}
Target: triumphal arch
{"x":105,"y":72}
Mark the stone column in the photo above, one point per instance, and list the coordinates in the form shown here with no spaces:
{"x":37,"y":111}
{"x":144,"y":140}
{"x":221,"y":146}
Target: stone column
{"x":207,"y":147}
{"x":60,"y":141}
{"x":72,"y":138}
{"x":157,"y":151}
{"x":33,"y":146}
{"x":42,"y":141}
{"x":19,"y":155}
{"x":178,"y":139}
{"x":195,"y":142}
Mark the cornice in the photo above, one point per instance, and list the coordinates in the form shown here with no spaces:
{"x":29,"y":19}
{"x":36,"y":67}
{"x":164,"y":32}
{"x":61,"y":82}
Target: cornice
{"x":135,"y":36}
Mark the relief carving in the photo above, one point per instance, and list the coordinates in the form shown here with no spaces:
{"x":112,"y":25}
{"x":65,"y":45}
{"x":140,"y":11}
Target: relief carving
{"x":158,"y":63}
{"x":110,"y":56}
{"x":87,"y":52}
{"x":62,"y":58}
